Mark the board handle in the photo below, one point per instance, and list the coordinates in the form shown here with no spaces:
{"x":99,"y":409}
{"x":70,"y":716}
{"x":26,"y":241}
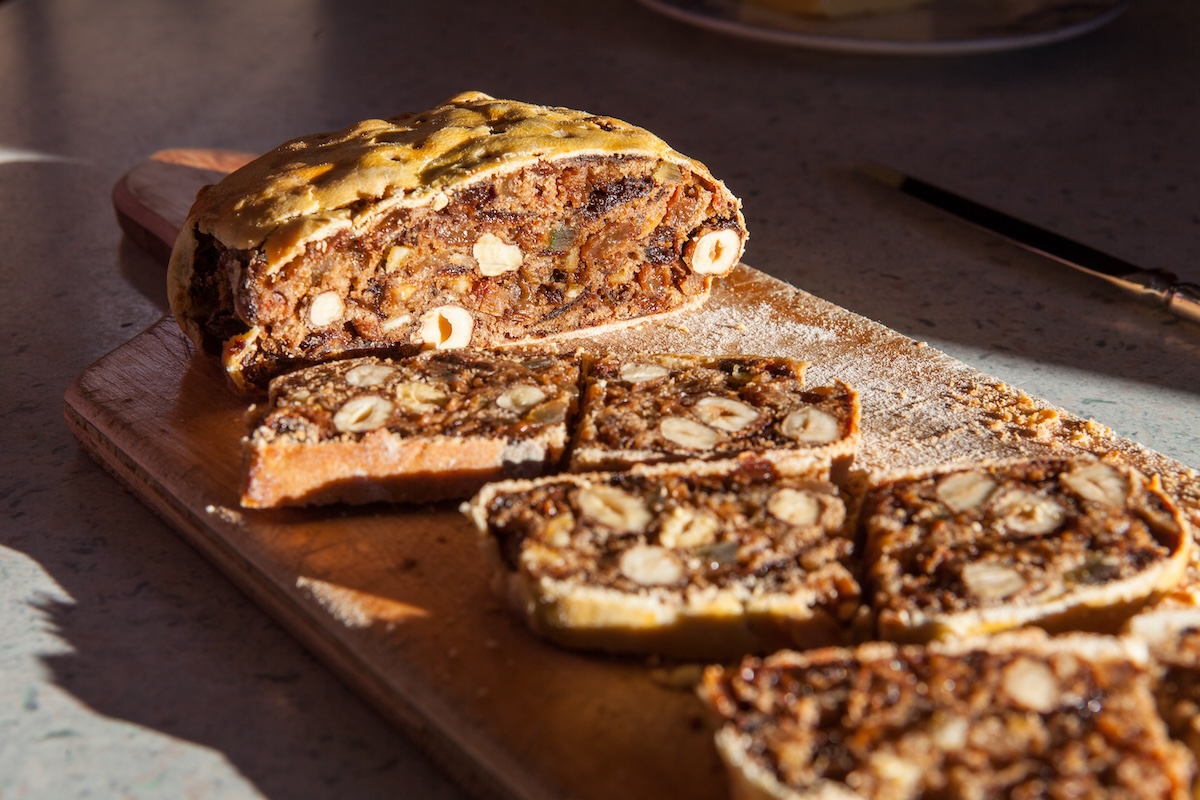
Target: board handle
{"x":152,"y":199}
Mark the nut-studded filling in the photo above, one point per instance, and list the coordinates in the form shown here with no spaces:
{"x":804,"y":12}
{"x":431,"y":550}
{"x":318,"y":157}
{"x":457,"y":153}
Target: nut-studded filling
{"x":1024,"y":534}
{"x":548,"y":248}
{"x":914,"y":722}
{"x":674,"y":407}
{"x":512,"y":395}
{"x":746,"y":529}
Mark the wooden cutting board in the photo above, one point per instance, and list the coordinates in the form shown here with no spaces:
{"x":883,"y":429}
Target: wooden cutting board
{"x":396,"y":599}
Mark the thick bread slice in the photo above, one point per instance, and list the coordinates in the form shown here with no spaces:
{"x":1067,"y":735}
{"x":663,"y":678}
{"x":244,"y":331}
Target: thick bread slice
{"x":1019,"y":714}
{"x":1173,"y":637}
{"x":434,"y":426}
{"x":698,"y":560}
{"x":1060,"y":543}
{"x":671,"y":407}
{"x":480,"y":222}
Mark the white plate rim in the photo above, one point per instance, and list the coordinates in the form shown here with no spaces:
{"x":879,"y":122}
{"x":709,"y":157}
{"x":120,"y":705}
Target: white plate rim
{"x":848,"y":44}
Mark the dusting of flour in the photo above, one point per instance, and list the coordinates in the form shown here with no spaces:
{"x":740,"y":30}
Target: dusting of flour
{"x":920,"y":407}
{"x":753,"y":330}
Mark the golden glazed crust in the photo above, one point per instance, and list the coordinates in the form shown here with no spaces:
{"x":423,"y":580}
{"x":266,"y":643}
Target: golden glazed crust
{"x":291,"y":194}
{"x":252,"y":257}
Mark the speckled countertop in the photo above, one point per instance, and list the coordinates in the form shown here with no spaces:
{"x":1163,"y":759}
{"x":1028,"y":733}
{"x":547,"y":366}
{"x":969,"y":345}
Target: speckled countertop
{"x":129,"y":667}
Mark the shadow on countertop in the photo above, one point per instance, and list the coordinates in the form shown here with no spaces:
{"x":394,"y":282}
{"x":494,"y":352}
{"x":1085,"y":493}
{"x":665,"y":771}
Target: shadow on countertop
{"x":931,"y":276}
{"x":161,"y":640}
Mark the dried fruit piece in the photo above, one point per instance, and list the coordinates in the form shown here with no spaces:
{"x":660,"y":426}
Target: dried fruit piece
{"x":552,"y":412}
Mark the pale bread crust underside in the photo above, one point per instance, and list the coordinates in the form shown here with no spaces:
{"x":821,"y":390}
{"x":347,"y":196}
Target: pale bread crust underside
{"x":386,"y":467}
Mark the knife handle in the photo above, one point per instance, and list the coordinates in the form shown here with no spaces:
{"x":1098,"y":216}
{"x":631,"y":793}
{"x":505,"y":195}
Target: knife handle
{"x":1183,"y":299}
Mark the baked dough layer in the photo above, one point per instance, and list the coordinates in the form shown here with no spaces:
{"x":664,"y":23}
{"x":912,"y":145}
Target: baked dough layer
{"x":431,"y":427}
{"x":480,"y":222}
{"x":1019,"y":714}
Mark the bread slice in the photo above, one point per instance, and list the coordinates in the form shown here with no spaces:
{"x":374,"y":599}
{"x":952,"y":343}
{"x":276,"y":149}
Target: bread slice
{"x":431,"y":427}
{"x":671,"y":407}
{"x":480,"y":222}
{"x":701,"y":560}
{"x":1019,"y":714}
{"x":1062,"y":543}
{"x":1173,"y":637}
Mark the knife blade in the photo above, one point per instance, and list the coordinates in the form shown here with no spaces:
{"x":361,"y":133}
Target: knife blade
{"x":1154,"y":285}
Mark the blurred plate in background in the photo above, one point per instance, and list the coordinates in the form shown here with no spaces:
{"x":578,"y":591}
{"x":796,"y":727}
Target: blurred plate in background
{"x":941,"y":27}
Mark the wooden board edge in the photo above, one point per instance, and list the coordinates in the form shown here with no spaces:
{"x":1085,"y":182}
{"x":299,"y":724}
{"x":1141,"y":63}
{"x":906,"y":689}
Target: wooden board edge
{"x":144,"y":228}
{"x":146,"y":215}
{"x":474,"y":771}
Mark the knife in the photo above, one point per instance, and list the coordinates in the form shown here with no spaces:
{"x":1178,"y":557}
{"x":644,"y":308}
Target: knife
{"x":1155,"y":285}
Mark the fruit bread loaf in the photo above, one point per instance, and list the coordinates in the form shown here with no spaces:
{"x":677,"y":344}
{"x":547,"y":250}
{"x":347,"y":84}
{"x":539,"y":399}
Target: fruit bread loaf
{"x":480,"y":222}
{"x":694,"y":560}
{"x":433,"y":426}
{"x":1061,"y":543}
{"x":1019,"y":714}
{"x":669,"y":407}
